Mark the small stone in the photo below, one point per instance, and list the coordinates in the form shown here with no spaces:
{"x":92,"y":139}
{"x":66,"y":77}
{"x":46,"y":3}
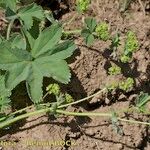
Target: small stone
{"x":74,"y":135}
{"x":90,"y":132}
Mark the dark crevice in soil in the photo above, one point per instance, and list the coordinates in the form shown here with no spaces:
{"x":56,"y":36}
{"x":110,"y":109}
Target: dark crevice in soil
{"x":145,"y":140}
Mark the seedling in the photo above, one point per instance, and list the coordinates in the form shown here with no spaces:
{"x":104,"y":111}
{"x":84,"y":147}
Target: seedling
{"x":126,"y":85}
{"x":82,"y":5}
{"x":115,"y":42}
{"x":114,"y":70}
{"x":102,"y":31}
{"x":131,"y":46}
{"x":61,"y":98}
{"x":94,"y":31}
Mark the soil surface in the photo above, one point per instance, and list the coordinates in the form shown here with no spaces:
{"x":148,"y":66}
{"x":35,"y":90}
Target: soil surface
{"x":89,"y":68}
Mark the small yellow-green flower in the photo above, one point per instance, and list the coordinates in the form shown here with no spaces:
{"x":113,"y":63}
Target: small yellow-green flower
{"x":125,"y":58}
{"x":102,"y":31}
{"x":126,"y":85}
{"x":83,"y":5}
{"x":114,"y":70}
{"x":68,"y":98}
{"x":53,"y":89}
{"x":131,"y":42}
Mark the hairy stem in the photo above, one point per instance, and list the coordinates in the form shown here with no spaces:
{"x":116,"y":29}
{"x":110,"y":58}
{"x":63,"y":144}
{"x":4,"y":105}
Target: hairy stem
{"x":77,"y":31}
{"x":6,"y":122}
{"x":9,"y":29}
{"x":100,"y":115}
{"x":82,"y":100}
{"x":26,"y":115}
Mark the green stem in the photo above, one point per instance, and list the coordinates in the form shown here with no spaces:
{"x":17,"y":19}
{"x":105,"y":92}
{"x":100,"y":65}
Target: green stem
{"x":8,"y":122}
{"x":101,"y":115}
{"x":16,"y":112}
{"x":9,"y":29}
{"x":77,"y":31}
{"x":134,"y":121}
{"x":82,"y":100}
{"x":45,"y":110}
{"x":83,"y":114}
{"x":21,"y":110}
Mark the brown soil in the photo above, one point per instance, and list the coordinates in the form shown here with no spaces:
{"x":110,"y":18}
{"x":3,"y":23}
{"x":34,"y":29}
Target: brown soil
{"x":89,"y":74}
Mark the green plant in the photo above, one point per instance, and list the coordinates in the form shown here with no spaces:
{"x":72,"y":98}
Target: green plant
{"x":30,"y":56}
{"x":37,"y":51}
{"x":102,"y":31}
{"x":42,"y":58}
{"x":126,"y":85}
{"x":131,"y":46}
{"x":87,"y":32}
{"x":114,"y":70}
{"x":142,"y":100}
{"x":115,"y":42}
{"x":93,"y":31}
{"x":83,"y":5}
{"x":61,"y":98}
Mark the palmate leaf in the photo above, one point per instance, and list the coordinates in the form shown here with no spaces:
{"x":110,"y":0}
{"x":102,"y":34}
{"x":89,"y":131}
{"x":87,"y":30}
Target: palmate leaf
{"x":91,"y":24}
{"x":26,"y":14}
{"x":88,"y":36}
{"x":45,"y":59}
{"x":9,"y":3}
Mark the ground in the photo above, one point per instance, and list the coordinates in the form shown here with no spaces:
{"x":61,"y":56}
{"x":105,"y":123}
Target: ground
{"x":89,"y":74}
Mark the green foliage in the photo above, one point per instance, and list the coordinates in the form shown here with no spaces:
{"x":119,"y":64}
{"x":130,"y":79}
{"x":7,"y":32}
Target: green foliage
{"x":131,"y":43}
{"x":8,"y":4}
{"x":131,"y":46}
{"x":142,"y":100}
{"x":37,"y":52}
{"x":88,"y":37}
{"x":26,"y":14}
{"x":90,"y":24}
{"x":87,"y":32}
{"x":45,"y":58}
{"x":126,"y":85}
{"x":68,"y":98}
{"x":115,"y":42}
{"x":125,"y":58}
{"x":4,"y":103}
{"x":102,"y":31}
{"x":83,"y":5}
{"x":114,"y":70}
{"x":53,"y":89}
{"x":4,"y":95}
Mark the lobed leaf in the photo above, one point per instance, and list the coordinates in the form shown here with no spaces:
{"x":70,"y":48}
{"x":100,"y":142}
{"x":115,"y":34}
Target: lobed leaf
{"x":45,"y":59}
{"x":27,"y":13}
{"x":91,"y":24}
